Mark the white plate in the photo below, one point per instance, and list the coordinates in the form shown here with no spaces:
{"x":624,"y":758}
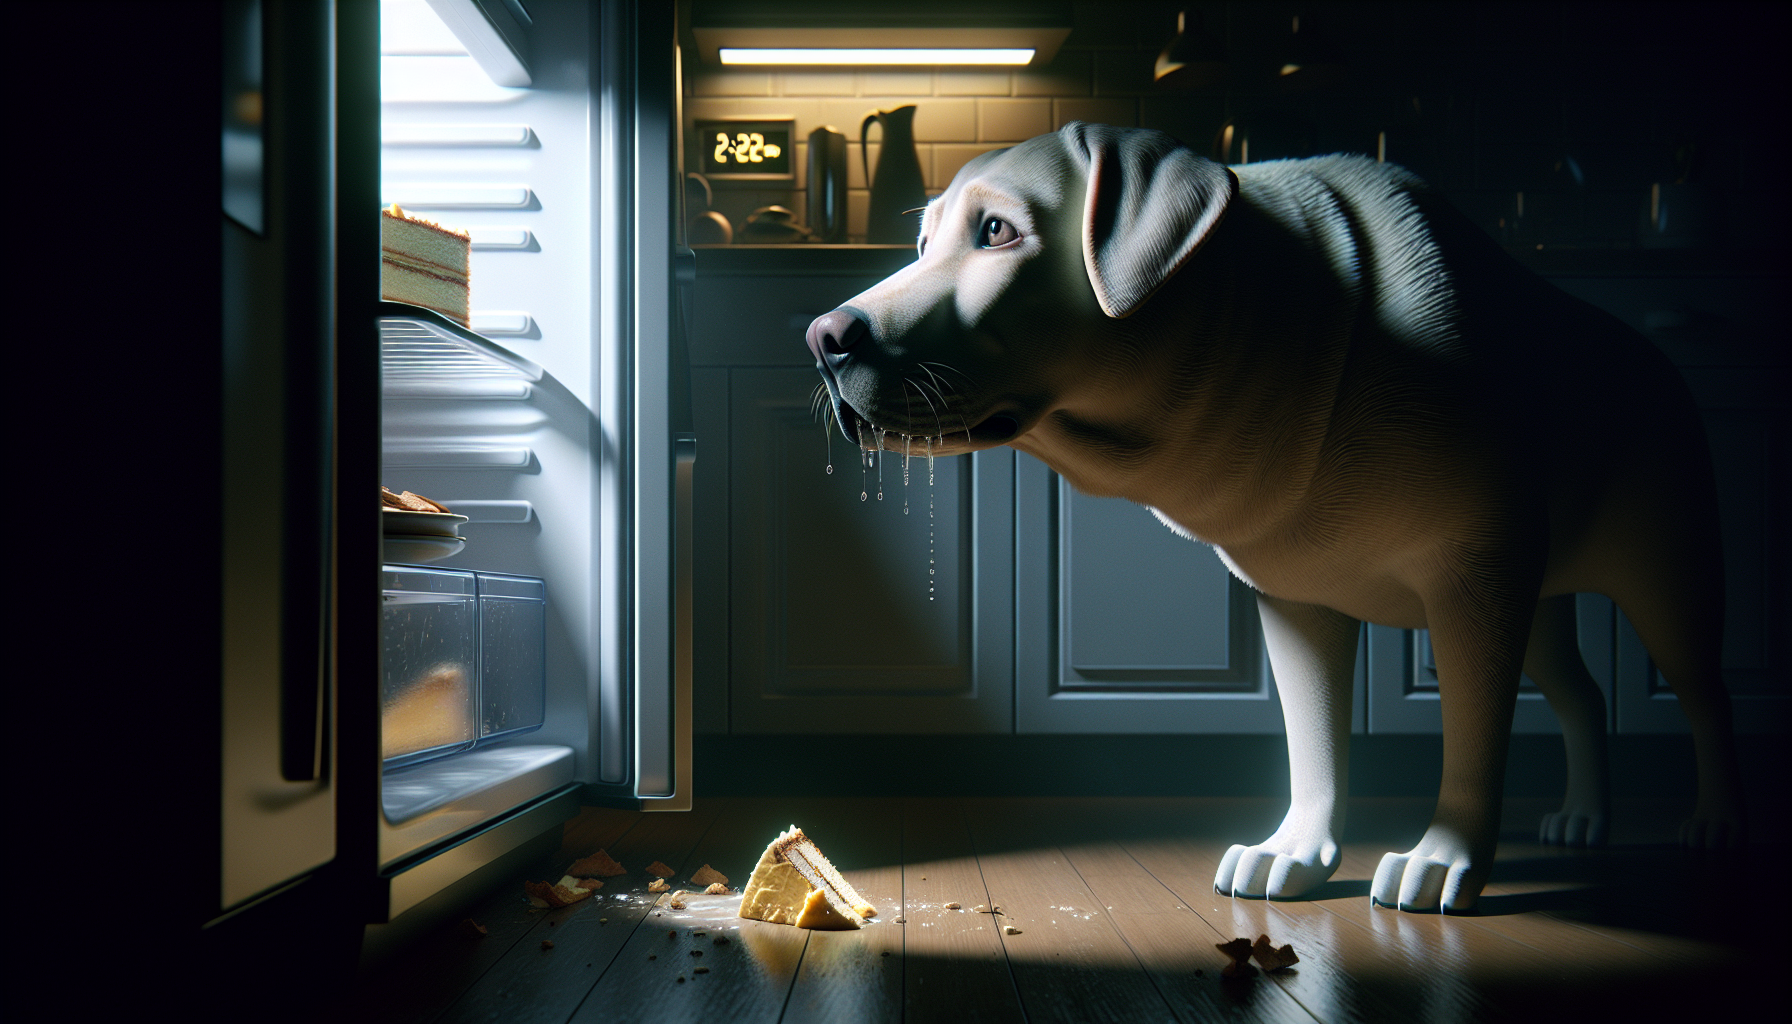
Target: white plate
{"x":420,"y":524}
{"x":421,"y":549}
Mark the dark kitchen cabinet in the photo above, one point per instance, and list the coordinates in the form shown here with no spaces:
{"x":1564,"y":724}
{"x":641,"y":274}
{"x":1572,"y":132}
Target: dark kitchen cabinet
{"x":1054,"y":612}
{"x":867,"y":600}
{"x":820,"y":611}
{"x":1125,"y":627}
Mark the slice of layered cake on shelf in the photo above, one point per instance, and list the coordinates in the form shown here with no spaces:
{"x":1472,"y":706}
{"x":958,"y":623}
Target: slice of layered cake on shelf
{"x":794,"y":884}
{"x":425,"y":264}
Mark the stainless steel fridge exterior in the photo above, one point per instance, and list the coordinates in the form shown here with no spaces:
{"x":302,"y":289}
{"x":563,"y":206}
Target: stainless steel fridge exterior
{"x":302,"y":837}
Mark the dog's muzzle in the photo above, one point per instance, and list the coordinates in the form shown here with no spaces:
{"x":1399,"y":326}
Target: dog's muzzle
{"x":832,"y":335}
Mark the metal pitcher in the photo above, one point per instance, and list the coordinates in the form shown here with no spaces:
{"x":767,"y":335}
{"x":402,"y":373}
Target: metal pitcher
{"x":898,"y":186}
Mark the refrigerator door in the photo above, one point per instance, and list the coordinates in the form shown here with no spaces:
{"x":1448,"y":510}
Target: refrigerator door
{"x":644,"y":714}
{"x":278,"y":801}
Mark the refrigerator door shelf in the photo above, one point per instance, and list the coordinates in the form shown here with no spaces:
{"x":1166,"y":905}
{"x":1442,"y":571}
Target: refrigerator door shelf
{"x":436,"y":801}
{"x":418,"y":344}
{"x":404,"y":885}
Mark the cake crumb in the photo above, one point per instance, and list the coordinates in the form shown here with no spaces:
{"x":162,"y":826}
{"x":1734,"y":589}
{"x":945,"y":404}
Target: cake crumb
{"x":599,"y":864}
{"x":901,"y":920}
{"x":547,"y":943}
{"x":658,"y":885}
{"x":699,"y":970}
{"x":1010,"y":929}
{"x":696,"y":952}
{"x":1239,"y":950}
{"x":717,"y":889}
{"x":660,"y":869}
{"x":954,"y":906}
{"x":681,"y":979}
{"x":1270,"y":958}
{"x":553,"y":894}
{"x":472,"y":928}
{"x":707,"y":875}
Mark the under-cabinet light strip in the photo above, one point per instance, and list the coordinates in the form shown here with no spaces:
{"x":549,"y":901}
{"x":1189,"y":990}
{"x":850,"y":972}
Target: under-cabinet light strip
{"x":817,"y":55}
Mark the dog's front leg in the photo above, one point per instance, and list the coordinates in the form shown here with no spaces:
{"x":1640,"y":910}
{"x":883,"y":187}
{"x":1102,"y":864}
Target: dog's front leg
{"x":1479,"y":639}
{"x":1312,"y":651}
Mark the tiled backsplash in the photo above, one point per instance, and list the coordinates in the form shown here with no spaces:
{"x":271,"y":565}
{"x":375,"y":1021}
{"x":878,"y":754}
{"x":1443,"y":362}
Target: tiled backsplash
{"x":1549,"y":125}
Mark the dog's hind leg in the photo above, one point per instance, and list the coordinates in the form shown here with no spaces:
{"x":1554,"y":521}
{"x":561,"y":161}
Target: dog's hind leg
{"x":1312,"y":651}
{"x":1679,"y":616}
{"x":1552,"y":660}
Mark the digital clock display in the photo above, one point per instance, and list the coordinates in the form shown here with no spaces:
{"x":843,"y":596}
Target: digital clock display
{"x":757,"y":150}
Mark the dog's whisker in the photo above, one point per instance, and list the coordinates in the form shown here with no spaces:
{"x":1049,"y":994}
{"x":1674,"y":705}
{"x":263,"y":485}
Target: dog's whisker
{"x":939,"y":387}
{"x":948,"y":369}
{"x":920,"y":390}
{"x":938,"y":425}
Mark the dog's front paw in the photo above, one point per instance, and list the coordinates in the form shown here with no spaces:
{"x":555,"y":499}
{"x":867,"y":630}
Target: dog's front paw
{"x":1276,"y":872}
{"x":1573,"y":827}
{"x":1440,"y":873}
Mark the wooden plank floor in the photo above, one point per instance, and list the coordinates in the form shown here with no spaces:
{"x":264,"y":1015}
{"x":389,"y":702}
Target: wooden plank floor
{"x":1105,"y":912}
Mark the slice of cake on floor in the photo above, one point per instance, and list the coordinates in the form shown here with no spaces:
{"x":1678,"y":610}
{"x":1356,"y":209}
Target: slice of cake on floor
{"x":425,"y":264}
{"x":793,"y":883}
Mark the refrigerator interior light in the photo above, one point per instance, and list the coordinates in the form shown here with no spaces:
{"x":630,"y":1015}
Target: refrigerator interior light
{"x":875,"y":56}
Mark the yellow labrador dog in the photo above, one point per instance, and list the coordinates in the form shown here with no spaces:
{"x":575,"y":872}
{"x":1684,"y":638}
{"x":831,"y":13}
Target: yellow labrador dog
{"x":1367,"y":410}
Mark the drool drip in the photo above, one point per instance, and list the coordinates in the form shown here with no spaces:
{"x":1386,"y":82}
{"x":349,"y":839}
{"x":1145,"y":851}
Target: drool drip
{"x":930,"y":522}
{"x":908,"y":444}
{"x":864,"y":461}
{"x":869,"y":455}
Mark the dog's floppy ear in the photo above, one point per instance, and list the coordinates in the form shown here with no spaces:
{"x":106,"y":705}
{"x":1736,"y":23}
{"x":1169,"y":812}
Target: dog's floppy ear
{"x":1151,"y":202}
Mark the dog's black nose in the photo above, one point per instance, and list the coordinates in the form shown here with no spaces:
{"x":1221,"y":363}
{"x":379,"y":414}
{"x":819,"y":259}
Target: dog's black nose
{"x":831,"y":334}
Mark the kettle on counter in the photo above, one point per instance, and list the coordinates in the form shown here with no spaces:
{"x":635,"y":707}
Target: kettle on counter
{"x":898,"y":187}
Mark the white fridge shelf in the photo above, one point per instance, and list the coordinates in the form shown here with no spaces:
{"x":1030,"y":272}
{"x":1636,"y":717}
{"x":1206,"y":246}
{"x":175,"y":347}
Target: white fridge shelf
{"x":419,"y":345}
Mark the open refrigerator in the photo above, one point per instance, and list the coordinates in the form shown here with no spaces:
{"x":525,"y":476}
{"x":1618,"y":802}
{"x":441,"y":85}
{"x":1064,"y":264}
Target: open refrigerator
{"x":403,"y":713}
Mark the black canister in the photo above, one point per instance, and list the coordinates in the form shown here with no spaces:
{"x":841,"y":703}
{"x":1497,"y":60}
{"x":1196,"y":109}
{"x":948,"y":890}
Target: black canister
{"x":827,"y":184}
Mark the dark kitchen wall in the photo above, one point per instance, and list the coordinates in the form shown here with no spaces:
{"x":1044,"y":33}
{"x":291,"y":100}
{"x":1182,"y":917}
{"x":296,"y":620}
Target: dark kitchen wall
{"x":1586,"y":110}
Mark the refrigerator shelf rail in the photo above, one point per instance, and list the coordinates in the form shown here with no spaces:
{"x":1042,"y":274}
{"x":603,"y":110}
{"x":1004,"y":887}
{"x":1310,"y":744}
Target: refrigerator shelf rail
{"x":419,"y":345}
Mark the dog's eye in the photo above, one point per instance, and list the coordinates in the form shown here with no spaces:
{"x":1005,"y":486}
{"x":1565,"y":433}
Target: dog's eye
{"x":996,"y":231}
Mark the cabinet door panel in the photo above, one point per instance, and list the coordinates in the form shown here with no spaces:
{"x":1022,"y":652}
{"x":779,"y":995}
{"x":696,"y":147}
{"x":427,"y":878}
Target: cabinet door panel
{"x":1403,"y":695}
{"x":1125,"y":627}
{"x":851,"y":614}
{"x":1138,"y":599}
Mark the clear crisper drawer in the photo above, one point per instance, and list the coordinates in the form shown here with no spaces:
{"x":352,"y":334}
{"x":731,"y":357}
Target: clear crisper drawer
{"x":512,"y":654}
{"x":430,"y":686}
